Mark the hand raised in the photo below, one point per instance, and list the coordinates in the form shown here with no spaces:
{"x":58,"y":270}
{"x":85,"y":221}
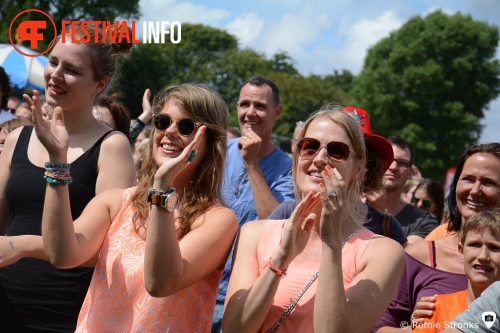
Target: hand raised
{"x":297,"y":229}
{"x":52,"y":134}
{"x":169,"y":170}
{"x":249,"y":146}
{"x":333,"y":194}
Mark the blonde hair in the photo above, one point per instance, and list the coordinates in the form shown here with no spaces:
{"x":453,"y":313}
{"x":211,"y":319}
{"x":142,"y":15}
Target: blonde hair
{"x":334,"y":113}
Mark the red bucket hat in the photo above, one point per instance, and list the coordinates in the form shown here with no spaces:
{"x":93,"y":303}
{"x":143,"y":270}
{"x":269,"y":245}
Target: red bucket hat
{"x":379,"y":144}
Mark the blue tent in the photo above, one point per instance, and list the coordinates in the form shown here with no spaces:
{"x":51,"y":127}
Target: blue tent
{"x":25,"y":72}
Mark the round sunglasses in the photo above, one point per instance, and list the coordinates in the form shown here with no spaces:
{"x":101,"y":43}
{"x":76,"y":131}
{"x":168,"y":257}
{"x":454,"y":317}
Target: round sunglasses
{"x":185,"y":126}
{"x":309,"y":147}
{"x":426,"y":202}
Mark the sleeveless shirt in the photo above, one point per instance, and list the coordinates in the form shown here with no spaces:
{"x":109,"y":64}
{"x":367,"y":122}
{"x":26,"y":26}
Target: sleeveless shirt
{"x":36,"y":296}
{"x":117,"y":300}
{"x":299,"y":273}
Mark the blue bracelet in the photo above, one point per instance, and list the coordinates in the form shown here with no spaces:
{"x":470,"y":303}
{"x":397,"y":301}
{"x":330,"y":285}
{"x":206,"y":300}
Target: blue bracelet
{"x":53,"y":181}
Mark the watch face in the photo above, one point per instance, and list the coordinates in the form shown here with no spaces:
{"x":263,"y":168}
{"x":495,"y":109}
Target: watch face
{"x":172,"y":201}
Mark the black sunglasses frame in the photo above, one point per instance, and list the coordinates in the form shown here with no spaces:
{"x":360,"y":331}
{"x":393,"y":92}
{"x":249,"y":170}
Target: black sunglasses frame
{"x":158,"y":117}
{"x":330,"y":149}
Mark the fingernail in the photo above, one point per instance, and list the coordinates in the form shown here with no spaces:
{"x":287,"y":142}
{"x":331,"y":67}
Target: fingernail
{"x":192,"y":156}
{"x":321,"y":185}
{"x":329,"y":167}
{"x":324,"y":172}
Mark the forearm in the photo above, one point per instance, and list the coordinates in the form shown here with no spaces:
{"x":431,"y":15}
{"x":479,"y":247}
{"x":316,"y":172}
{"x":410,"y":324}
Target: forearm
{"x":163,"y":263}
{"x":58,"y":233}
{"x":29,"y":246}
{"x":331,"y":311}
{"x":246,"y":311}
{"x":388,"y":329}
{"x":264,"y":200}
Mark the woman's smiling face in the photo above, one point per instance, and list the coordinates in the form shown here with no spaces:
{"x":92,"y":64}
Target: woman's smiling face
{"x":478,"y":187}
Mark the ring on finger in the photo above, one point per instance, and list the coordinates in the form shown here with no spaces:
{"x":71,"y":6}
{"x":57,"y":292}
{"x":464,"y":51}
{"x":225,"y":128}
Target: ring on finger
{"x":332,"y":194}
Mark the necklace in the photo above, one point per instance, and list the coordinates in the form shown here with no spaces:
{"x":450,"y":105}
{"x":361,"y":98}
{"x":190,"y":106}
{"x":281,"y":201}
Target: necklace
{"x":308,"y":284}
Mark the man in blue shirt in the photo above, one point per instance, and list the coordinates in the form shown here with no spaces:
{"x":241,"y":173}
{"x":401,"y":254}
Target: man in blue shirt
{"x":257,"y":175}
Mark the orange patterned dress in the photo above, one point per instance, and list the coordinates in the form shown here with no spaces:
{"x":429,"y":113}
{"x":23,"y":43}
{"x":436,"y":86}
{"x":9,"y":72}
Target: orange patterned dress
{"x":117,"y":300}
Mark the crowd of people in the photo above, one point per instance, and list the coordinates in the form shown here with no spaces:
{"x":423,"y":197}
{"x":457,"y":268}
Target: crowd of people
{"x":175,"y":222}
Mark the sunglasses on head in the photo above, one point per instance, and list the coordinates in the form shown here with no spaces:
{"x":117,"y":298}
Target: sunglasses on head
{"x":309,"y":147}
{"x":185,"y":126}
{"x":427,"y":203}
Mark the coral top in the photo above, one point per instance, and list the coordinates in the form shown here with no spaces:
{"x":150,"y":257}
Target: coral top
{"x":117,"y":300}
{"x":447,"y":307}
{"x":299,"y":273}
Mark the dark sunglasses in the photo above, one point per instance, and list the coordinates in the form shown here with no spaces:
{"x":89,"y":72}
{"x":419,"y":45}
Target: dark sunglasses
{"x":309,"y":147}
{"x":185,"y":126}
{"x":427,"y":203}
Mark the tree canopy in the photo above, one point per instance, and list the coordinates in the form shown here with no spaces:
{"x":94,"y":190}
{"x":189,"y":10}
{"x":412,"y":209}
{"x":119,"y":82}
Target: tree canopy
{"x":430,"y":82}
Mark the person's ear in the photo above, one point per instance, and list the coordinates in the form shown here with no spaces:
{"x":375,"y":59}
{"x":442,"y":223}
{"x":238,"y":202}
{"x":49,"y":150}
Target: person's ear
{"x":101,"y":85}
{"x":278,"y":111}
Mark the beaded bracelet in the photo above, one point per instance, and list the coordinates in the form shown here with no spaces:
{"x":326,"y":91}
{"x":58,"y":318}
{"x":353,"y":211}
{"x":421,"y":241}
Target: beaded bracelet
{"x":57,"y":173}
{"x":279,"y":272}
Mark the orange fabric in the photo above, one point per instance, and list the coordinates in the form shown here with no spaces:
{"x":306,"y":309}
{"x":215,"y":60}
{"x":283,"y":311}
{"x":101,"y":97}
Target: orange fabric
{"x":439,"y":232}
{"x":448,"y":306}
{"x":298,"y":274}
{"x":117,"y":300}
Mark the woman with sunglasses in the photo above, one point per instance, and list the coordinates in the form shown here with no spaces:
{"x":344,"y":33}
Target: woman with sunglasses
{"x":159,"y":247}
{"x":429,"y":196}
{"x":318,"y":270}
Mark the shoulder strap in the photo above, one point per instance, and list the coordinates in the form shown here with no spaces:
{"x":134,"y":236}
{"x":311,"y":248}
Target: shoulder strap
{"x":386,"y":225}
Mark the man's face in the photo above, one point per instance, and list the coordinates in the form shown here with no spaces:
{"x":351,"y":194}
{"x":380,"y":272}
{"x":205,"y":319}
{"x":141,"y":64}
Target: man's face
{"x":256,"y":110}
{"x":399,"y":171}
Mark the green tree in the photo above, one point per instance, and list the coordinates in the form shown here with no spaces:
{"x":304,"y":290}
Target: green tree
{"x":430,"y":81}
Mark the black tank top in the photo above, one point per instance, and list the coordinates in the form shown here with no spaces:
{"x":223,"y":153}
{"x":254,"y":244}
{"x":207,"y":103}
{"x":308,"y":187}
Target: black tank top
{"x":36,"y":296}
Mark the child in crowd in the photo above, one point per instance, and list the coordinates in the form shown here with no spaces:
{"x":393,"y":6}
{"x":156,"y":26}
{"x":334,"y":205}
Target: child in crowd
{"x":480,"y":251}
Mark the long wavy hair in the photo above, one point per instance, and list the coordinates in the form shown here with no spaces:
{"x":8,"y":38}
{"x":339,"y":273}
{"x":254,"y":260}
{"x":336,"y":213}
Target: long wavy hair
{"x":334,"y":113}
{"x":202,"y":105}
{"x":455,"y":217}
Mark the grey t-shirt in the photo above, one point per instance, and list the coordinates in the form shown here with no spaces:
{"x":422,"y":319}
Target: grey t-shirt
{"x":415,"y":221}
{"x":475,"y":318}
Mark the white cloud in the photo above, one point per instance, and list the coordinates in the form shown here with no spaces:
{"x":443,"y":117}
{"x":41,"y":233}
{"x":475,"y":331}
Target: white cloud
{"x":246,"y":27}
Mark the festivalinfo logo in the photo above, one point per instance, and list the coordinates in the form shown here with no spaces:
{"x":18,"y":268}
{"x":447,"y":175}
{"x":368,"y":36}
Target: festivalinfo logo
{"x":31,"y":26}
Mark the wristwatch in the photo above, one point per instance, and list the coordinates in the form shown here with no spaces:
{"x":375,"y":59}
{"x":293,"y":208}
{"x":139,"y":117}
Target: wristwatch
{"x":167,"y":199}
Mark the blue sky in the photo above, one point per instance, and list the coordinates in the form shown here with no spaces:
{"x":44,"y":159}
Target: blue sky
{"x":321,"y":35}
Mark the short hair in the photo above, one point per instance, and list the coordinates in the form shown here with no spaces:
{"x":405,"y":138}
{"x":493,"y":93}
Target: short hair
{"x":5,"y":88}
{"x":259,"y":81}
{"x":398,"y":141}
{"x":12,"y":124}
{"x":485,"y":220}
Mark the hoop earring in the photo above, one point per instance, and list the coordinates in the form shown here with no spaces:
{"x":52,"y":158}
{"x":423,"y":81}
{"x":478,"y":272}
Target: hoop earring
{"x":288,"y":179}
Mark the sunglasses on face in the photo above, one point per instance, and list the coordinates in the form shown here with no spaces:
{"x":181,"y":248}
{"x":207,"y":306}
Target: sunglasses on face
{"x":185,"y":126}
{"x":309,"y":147}
{"x":427,"y":203}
